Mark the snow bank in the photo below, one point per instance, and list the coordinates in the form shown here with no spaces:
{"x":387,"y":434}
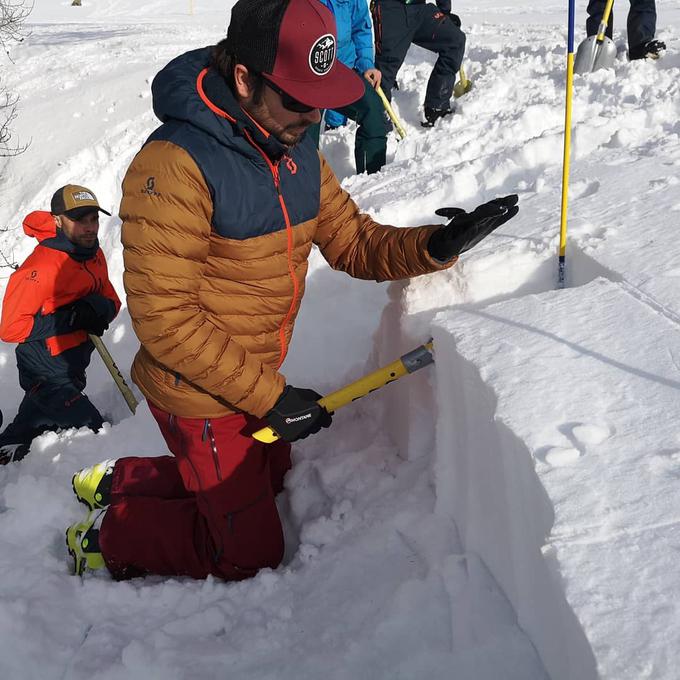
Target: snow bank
{"x":565,"y":482}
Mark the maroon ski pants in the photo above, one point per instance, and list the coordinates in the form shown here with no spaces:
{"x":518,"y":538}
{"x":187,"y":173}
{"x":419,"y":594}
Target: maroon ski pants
{"x":208,"y":509}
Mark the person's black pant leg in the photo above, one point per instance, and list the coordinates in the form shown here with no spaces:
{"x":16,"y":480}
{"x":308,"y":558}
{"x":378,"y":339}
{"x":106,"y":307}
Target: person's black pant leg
{"x":641,"y":22}
{"x":395,"y":25}
{"x":595,"y":13}
{"x":66,"y":406}
{"x":370,"y":144}
{"x":438,"y":33}
{"x":28,"y":423}
{"x":46,"y":409}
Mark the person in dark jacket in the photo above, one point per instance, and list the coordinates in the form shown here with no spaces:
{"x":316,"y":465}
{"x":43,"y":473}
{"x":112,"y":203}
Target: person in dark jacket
{"x":641,"y":27}
{"x":221,"y":208}
{"x":397,"y":24}
{"x":58,"y":296}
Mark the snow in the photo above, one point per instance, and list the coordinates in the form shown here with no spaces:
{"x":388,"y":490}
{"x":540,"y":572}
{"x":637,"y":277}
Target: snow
{"x":509,"y":513}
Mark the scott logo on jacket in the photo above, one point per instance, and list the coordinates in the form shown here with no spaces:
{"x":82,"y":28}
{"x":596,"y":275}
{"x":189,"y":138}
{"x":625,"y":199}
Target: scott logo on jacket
{"x":150,"y":188}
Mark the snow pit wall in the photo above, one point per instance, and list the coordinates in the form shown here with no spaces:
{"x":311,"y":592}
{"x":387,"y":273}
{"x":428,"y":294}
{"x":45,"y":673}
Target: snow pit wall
{"x":485,"y":480}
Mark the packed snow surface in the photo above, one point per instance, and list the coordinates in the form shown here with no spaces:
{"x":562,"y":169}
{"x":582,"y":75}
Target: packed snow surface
{"x":509,"y":514}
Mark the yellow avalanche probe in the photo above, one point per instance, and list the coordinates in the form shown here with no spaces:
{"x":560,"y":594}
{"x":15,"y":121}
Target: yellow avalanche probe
{"x":408,"y":363}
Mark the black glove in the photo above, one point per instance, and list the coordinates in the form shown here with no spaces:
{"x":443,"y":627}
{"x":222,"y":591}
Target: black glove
{"x":466,"y":230}
{"x":84,"y":317}
{"x":455,"y":18}
{"x":297,"y":414}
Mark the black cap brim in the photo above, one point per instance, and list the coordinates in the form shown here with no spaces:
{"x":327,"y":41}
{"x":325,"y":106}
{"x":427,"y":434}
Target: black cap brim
{"x":79,"y":213}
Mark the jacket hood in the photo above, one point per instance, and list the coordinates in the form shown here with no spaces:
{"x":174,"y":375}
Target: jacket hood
{"x":40,"y":224}
{"x":176,"y":97}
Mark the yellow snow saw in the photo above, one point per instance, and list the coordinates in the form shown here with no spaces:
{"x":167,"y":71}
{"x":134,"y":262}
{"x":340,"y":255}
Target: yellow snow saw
{"x":596,"y":51}
{"x":408,"y":363}
{"x":117,"y":376}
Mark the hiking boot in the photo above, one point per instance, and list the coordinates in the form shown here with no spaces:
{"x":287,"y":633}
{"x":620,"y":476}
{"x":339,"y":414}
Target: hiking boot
{"x":433,"y":115}
{"x":649,"y":50}
{"x":92,"y":485}
{"x":10,"y":453}
{"x":82,"y":542}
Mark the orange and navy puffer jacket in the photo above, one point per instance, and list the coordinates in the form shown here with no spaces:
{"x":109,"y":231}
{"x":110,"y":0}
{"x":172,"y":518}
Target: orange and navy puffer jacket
{"x":36,"y":309}
{"x":218,"y":222}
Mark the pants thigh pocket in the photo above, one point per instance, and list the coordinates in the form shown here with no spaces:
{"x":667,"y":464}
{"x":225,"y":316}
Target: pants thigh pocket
{"x":250,"y":536}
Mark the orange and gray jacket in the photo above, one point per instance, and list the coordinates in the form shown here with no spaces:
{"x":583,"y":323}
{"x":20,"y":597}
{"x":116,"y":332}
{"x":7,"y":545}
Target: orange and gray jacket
{"x":37,"y":312}
{"x":218,"y":222}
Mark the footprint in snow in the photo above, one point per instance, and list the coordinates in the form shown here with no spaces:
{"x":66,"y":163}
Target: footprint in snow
{"x":561,"y":456}
{"x":581,"y":436}
{"x":662,"y":183}
{"x":585,"y":189}
{"x":586,"y":434}
{"x":666,"y":461}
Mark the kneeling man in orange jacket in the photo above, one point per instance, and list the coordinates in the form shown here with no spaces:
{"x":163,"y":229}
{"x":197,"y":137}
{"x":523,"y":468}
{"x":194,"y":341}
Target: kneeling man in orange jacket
{"x":58,"y":297}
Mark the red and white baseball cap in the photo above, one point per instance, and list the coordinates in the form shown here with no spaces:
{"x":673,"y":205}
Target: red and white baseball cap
{"x":294,"y":44}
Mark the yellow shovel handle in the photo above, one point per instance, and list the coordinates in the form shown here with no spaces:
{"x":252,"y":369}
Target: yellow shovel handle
{"x":602,"y":29}
{"x":390,"y":112}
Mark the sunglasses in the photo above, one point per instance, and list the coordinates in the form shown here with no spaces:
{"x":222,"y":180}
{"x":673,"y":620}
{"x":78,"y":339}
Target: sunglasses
{"x":287,"y":101}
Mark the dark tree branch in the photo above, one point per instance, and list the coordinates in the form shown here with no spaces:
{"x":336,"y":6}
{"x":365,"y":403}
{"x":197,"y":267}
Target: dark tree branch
{"x":13,"y":14}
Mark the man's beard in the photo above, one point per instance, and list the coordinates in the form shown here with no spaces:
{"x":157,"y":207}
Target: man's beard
{"x":290,"y":138}
{"x":86,"y":241}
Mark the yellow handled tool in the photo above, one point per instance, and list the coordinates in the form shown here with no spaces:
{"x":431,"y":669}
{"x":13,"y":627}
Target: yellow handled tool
{"x":390,"y":112}
{"x":463,"y":86}
{"x":596,"y":51}
{"x":115,"y":373}
{"x":408,"y":363}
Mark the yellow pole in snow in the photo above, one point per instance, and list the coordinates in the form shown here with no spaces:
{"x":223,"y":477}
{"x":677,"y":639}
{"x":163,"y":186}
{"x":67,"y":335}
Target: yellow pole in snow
{"x":561,"y":275}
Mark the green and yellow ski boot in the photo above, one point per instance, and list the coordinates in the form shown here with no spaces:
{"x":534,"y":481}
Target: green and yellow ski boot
{"x":82,"y":542}
{"x":92,"y":485}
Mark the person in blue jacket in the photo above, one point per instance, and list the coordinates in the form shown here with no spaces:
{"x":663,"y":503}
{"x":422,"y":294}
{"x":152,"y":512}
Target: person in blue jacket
{"x":355,"y":49}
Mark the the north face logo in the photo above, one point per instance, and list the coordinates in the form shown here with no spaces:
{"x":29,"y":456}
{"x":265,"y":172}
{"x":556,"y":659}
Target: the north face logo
{"x":82,"y":196}
{"x":322,"y":55}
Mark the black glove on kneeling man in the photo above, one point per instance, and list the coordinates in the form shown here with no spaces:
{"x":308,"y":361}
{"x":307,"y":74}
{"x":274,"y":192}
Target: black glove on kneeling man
{"x":465,"y":230}
{"x":297,"y":414}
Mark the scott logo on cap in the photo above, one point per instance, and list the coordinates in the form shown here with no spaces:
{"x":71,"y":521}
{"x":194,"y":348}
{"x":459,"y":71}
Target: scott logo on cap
{"x":322,"y":54}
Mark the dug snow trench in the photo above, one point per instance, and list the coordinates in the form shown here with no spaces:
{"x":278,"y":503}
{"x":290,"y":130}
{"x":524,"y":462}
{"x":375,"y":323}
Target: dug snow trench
{"x":540,"y":469}
{"x":484,"y":473}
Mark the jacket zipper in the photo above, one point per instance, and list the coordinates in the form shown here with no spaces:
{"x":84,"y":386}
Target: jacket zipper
{"x":97,"y":282}
{"x":213,"y":448}
{"x":274,"y":169}
{"x":289,"y":229}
